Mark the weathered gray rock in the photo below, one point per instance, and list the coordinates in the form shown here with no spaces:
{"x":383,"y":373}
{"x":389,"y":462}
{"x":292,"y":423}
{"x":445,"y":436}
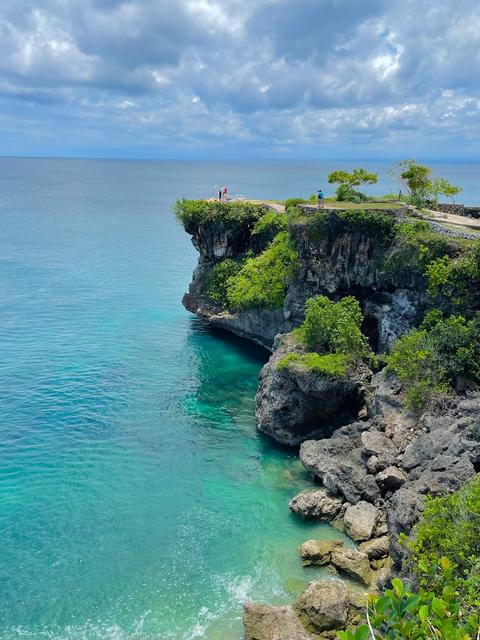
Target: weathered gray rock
{"x":376,"y":548}
{"x":354,"y":563}
{"x":318,"y":552}
{"x":323,"y":605}
{"x":391,"y":478}
{"x":294,"y":404}
{"x":265,"y":622}
{"x":376,"y":443}
{"x":315,"y":503}
{"x":339,"y":464}
{"x":360,"y":520}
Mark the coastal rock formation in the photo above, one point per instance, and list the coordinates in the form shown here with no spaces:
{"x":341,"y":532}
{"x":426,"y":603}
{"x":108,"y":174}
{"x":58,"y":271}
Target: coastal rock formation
{"x":315,"y":503}
{"x":318,"y":552}
{"x":293,"y":405}
{"x":265,"y":622}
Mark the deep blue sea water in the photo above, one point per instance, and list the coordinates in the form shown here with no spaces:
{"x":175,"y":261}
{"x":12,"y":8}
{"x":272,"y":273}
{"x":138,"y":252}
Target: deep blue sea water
{"x":136,"y":498}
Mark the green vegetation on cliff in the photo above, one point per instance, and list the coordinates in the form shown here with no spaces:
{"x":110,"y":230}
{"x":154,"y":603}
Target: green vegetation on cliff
{"x":270,"y":222}
{"x":331,"y":335}
{"x":430,"y":359}
{"x":217,"y":281}
{"x":263,"y":279}
{"x":193,"y":213}
{"x":327,"y":224}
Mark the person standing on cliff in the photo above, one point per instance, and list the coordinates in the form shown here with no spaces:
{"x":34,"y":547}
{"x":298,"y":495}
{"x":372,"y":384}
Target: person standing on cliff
{"x":220,"y":192}
{"x":225,"y":193}
{"x":320,"y":198}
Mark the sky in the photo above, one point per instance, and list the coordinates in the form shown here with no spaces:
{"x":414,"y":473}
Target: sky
{"x":286,"y":79}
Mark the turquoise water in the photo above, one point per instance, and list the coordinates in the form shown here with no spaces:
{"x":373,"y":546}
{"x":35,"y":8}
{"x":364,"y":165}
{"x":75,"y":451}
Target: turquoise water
{"x":136,"y":498}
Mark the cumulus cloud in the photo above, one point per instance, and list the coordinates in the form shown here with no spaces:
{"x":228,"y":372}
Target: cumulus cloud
{"x":258,"y":75}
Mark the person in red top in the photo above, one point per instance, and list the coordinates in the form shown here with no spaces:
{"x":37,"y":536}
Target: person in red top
{"x":225,"y":193}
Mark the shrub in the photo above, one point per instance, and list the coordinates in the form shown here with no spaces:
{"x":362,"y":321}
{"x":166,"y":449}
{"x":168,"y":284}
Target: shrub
{"x":263,"y":280}
{"x":348,"y":181}
{"x":293,"y":202}
{"x":450,"y":528}
{"x":193,"y":213}
{"x":400,"y":614}
{"x":334,"y":327}
{"x":457,"y":279}
{"x":378,"y":224}
{"x":333,"y":365}
{"x":217,"y":281}
{"x":271,"y":222}
{"x":428,"y":360}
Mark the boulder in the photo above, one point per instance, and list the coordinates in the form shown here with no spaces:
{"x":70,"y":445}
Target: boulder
{"x":376,"y":443}
{"x":360,"y":520}
{"x":323,"y":605}
{"x":318,"y":552}
{"x":315,"y":503}
{"x":404,"y":509}
{"x":391,"y":478}
{"x":376,"y":548}
{"x":338,"y":462}
{"x":265,"y":622}
{"x":295,"y":404}
{"x":354,"y":563}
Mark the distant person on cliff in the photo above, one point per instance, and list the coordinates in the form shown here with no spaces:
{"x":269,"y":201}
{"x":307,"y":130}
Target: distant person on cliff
{"x":225,"y":193}
{"x":220,"y":192}
{"x":320,"y":198}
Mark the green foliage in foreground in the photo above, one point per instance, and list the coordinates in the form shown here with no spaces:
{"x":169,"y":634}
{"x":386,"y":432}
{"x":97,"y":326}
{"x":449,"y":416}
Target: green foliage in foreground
{"x":217,"y":282}
{"x":271,"y":222}
{"x":400,"y":614}
{"x":263,"y":280}
{"x":450,"y":528}
{"x":445,"y":559}
{"x":193,"y":213}
{"x":332,"y":365}
{"x":429,"y":359}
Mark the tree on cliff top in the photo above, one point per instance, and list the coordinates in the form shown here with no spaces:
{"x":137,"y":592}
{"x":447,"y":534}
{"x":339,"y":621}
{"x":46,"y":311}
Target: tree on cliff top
{"x":422,"y":189}
{"x":348,"y":181}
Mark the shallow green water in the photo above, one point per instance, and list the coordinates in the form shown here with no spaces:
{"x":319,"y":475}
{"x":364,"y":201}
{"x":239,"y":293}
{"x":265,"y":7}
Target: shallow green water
{"x":136,"y":498}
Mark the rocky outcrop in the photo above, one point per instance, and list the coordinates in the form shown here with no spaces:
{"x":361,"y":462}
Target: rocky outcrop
{"x":265,"y":622}
{"x":315,"y":503}
{"x":383,"y":468}
{"x":295,"y":404}
{"x":327,"y":605}
{"x":318,"y":552}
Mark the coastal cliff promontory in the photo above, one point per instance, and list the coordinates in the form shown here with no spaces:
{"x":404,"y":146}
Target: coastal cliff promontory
{"x":372,"y":317}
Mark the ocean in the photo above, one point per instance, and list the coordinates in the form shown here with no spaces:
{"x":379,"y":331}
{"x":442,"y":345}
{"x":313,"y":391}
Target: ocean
{"x":137,"y":499}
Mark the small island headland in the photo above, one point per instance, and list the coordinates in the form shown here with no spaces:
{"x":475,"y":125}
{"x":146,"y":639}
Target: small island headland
{"x":371,"y":310}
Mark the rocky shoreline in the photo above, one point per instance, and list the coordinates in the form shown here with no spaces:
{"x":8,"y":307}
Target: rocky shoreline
{"x":373,"y":460}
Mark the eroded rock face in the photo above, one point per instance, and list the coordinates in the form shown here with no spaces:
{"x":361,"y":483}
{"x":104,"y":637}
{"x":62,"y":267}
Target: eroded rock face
{"x":318,"y":552}
{"x":266,"y":622}
{"x":354,"y":563}
{"x":315,"y":503}
{"x":376,"y":548}
{"x":323,"y":605}
{"x":360,"y":520}
{"x":293,"y":405}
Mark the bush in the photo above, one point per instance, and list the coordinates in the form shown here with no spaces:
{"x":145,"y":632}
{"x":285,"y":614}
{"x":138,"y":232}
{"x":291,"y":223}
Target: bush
{"x":345,"y":193}
{"x":428,"y":360}
{"x":263,"y":280}
{"x":416,"y":246}
{"x":271,"y":222}
{"x":217,"y":281}
{"x":333,"y":365}
{"x":193,"y":213}
{"x":334,"y":327}
{"x":293,"y":202}
{"x":450,"y":527}
{"x":400,"y":614}
{"x":377,"y":224}
{"x":457,"y":280}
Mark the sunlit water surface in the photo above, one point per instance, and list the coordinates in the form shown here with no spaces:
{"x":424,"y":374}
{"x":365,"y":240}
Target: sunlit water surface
{"x":137,"y":499}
